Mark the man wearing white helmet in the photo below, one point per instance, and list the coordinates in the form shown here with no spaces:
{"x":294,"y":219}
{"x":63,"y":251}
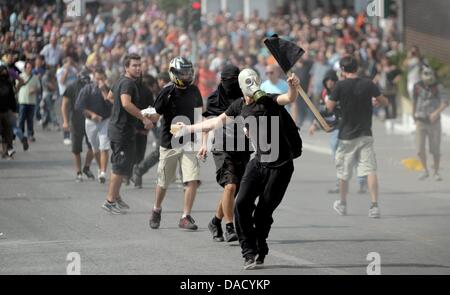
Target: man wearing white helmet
{"x":430,"y":99}
{"x":178,"y":98}
{"x":268,"y":174}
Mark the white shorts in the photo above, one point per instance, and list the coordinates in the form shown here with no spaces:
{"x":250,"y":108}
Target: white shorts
{"x":97,"y":134}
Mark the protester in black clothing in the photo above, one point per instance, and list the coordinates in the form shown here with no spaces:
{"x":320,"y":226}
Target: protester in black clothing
{"x":145,"y":100}
{"x":122,"y":130}
{"x":7,"y":104}
{"x":179,"y":99}
{"x":268,"y":174}
{"x":230,"y":165}
{"x":77,"y":125}
{"x":355,"y":96}
{"x":153,"y":158}
{"x":93,"y":102}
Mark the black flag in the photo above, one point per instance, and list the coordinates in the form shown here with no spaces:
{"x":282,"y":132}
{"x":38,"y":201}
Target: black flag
{"x":285,"y":52}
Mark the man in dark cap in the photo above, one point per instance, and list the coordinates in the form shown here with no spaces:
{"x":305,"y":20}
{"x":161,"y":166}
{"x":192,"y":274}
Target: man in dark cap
{"x":77,"y":124}
{"x":230,"y":164}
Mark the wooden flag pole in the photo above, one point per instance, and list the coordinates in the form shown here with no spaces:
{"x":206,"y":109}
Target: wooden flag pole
{"x":313,"y":108}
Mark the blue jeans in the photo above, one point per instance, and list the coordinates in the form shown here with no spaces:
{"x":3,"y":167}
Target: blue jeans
{"x":26,"y":113}
{"x":17,"y":131}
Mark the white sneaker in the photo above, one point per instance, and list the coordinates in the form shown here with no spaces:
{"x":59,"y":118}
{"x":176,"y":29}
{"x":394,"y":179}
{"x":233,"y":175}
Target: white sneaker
{"x":374,"y":212}
{"x":67,"y":141}
{"x":424,"y":175}
{"x":102,"y":177}
{"x":437,"y":177}
{"x":340,"y":208}
{"x":79,"y":178}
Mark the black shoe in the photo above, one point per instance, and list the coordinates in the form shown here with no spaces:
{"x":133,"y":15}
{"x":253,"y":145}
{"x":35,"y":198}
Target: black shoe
{"x":25,"y":143}
{"x":88,"y":173}
{"x":249,"y":262}
{"x":137,"y":179}
{"x":260,"y":259}
{"x":230,"y":234}
{"x":216,"y":231}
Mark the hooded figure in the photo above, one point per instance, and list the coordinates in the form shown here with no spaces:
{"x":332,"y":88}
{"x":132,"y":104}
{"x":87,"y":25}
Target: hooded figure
{"x":227,"y":92}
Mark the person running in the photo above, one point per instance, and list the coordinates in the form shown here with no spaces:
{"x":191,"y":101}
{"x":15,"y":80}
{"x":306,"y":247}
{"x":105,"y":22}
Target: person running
{"x":355,"y":146}
{"x":93,"y":102}
{"x":7,"y":104}
{"x":77,"y":125}
{"x":230,"y":164}
{"x":153,"y":158}
{"x":180,"y":98}
{"x":122,"y":131}
{"x":430,"y":100}
{"x":268,"y":174}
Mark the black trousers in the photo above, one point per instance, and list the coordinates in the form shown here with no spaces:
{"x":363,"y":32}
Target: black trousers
{"x":253,"y":223}
{"x":141,"y":146}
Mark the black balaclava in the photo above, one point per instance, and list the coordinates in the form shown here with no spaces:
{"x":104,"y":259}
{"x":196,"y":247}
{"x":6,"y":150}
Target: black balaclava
{"x":230,"y":83}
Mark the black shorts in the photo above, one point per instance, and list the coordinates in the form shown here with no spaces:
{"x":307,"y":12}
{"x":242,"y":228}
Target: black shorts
{"x":230,"y":167}
{"x":122,"y":156}
{"x":78,"y":132}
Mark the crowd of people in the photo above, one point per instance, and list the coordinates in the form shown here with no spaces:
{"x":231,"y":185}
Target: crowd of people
{"x":91,"y":76}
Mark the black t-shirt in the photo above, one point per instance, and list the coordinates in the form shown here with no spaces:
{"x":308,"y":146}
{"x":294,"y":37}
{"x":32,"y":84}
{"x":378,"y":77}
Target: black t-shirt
{"x":71,"y":92}
{"x":355,"y":99}
{"x":270,"y":151}
{"x":173,"y":102}
{"x":122,"y":125}
{"x":91,"y":98}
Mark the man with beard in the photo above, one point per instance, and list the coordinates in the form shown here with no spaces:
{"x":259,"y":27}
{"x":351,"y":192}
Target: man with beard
{"x":230,"y":163}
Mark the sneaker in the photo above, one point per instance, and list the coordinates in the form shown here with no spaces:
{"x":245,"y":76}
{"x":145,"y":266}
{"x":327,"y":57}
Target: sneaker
{"x":25,"y":143}
{"x":188,"y":223}
{"x":112,"y":208}
{"x":216,"y":231}
{"x":11,"y":153}
{"x":374,"y":212}
{"x":249,"y":262}
{"x":424,"y":175}
{"x":102,"y":177}
{"x":340,"y":208}
{"x":79,"y":177}
{"x":136,"y":178}
{"x":437,"y":177}
{"x":230,"y":234}
{"x":88,"y":173}
{"x":260,"y":259}
{"x":155,"y":219}
{"x":121,"y":204}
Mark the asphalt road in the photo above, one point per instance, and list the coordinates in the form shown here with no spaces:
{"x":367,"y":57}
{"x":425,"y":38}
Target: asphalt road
{"x":45,"y":214}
